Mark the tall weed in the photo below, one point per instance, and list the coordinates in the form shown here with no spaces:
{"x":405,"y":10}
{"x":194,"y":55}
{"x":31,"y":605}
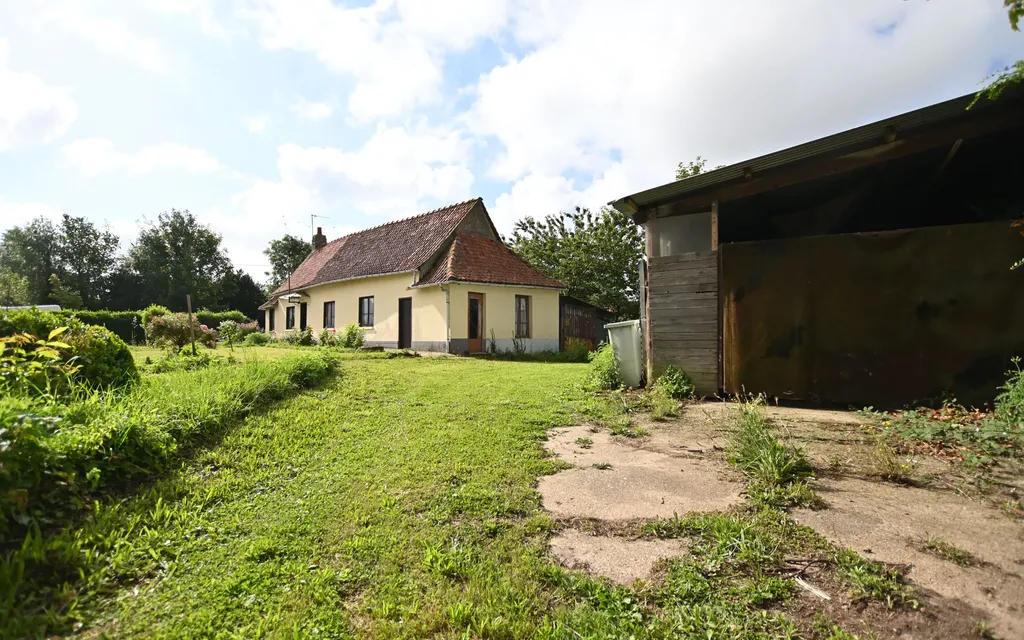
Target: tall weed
{"x":604,"y":368}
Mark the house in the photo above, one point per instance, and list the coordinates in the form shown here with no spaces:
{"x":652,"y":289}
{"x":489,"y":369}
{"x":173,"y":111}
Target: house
{"x":440,"y":281}
{"x":868,"y":267}
{"x":584,"y":322}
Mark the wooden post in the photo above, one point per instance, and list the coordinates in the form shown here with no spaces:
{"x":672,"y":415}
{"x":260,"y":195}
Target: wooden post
{"x":191,"y":327}
{"x":714,"y":225}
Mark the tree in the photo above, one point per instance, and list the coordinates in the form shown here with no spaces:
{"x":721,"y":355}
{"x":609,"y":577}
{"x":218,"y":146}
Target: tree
{"x":66,"y":299}
{"x":238,"y":291}
{"x":177,"y":256}
{"x":285,"y":254}
{"x":86,"y":257}
{"x":690,"y":169}
{"x":13,"y":289}
{"x":596,"y":256}
{"x":31,"y":252}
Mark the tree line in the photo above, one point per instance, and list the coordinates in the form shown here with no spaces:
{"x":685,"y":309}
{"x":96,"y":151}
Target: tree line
{"x":79,"y":265}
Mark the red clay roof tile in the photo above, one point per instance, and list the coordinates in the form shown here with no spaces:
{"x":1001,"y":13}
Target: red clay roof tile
{"x":473,"y":258}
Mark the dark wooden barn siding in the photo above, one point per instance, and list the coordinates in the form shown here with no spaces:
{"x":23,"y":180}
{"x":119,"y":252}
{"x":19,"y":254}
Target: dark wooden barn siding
{"x":881,"y":319}
{"x":683,"y":303}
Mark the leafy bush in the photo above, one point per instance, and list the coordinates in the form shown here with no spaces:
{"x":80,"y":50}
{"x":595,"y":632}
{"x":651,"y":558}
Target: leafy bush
{"x":257,"y":339}
{"x":1009,"y":406}
{"x":233,"y":331}
{"x":103,"y":359}
{"x":173,"y":328}
{"x":352,"y":336}
{"x":209,"y":318}
{"x":604,"y":368}
{"x":577,"y":350}
{"x":329,"y":338}
{"x":32,"y":366}
{"x":676,"y":383}
{"x":305,"y":337}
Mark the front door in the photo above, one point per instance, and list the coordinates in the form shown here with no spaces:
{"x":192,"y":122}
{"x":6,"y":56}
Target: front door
{"x":405,"y":323}
{"x":475,"y":344}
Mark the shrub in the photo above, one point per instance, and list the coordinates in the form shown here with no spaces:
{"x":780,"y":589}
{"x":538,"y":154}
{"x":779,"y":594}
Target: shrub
{"x":173,"y":328}
{"x":32,"y":366}
{"x":233,"y":331}
{"x":352,"y":336}
{"x":329,"y":338}
{"x":577,"y":350}
{"x":1009,"y":406}
{"x":103,"y":359}
{"x":257,"y":339}
{"x":676,"y":383}
{"x":305,"y":338}
{"x":604,"y":368}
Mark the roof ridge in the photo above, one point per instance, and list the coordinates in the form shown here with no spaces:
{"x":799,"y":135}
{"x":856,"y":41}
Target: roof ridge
{"x":406,"y":219}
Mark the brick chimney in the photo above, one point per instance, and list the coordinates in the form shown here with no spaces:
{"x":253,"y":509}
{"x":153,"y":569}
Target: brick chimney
{"x":319,"y":239}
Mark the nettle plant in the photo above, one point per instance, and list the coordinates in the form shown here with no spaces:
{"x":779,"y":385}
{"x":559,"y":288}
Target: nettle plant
{"x":31,"y":365}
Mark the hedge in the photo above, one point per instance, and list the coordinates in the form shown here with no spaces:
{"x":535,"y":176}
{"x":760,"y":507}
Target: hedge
{"x":104,"y":359}
{"x":120,"y":322}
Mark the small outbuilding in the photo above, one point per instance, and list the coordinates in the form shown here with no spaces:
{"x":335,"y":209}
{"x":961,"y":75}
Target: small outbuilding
{"x":868,"y":267}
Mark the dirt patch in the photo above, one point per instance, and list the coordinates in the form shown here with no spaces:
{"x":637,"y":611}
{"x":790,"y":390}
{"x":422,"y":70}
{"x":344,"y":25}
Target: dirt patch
{"x":889,"y":523}
{"x":638,"y":483}
{"x":621,"y":559}
{"x":934,"y":621}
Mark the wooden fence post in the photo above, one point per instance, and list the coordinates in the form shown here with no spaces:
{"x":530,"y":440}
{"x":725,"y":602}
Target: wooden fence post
{"x":191,"y":327}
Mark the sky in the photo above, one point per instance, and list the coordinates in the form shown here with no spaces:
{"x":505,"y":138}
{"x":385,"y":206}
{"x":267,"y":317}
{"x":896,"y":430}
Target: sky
{"x":256,"y":114}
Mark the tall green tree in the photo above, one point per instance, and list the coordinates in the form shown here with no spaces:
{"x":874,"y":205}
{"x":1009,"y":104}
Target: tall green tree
{"x":86,"y":255}
{"x":59,"y":294}
{"x":596,"y":255}
{"x":238,"y":291}
{"x":31,"y":251}
{"x":13,"y":289}
{"x":285,"y":255}
{"x":176,"y":256}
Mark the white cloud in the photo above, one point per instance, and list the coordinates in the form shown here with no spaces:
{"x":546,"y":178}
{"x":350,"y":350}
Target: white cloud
{"x":16,"y":214}
{"x":397,"y":173}
{"x":312,"y":110}
{"x":395,"y":50}
{"x":257,"y":124}
{"x":93,"y":156}
{"x":31,"y":112}
{"x":201,"y":10}
{"x":109,"y":35}
{"x":616,"y":94}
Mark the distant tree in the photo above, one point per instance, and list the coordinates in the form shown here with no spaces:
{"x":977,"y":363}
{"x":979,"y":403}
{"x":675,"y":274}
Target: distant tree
{"x":124,"y":290}
{"x":285,"y":254}
{"x":66,"y":299}
{"x":237,"y":290}
{"x":596,"y":255}
{"x":177,"y":256}
{"x":31,"y":251}
{"x":86,"y":256}
{"x":690,"y":169}
{"x":13,"y":289}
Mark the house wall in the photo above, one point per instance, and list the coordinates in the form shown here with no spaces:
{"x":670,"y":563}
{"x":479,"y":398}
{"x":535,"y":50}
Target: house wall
{"x":683,"y":317}
{"x":428,"y":321}
{"x":879,"y":319}
{"x":499,"y":315}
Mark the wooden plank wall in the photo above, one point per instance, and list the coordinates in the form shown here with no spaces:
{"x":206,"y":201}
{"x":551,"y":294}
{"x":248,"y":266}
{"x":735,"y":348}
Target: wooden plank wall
{"x":684,"y":317}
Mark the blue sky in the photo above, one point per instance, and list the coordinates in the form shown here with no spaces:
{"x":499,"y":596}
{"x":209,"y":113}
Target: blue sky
{"x":255,"y":114}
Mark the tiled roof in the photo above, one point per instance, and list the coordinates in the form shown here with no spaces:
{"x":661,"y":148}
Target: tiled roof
{"x":473,"y":258}
{"x":395,"y":247}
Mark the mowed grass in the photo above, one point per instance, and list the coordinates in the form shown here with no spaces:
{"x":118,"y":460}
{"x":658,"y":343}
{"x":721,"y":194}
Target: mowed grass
{"x":398,"y":502}
{"x":242,"y":353}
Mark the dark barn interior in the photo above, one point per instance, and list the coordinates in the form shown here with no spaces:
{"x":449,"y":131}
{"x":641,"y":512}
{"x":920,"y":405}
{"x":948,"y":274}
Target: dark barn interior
{"x":868,"y":268}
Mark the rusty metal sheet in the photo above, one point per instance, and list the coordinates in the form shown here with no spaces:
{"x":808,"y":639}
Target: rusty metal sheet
{"x":883,"y":319}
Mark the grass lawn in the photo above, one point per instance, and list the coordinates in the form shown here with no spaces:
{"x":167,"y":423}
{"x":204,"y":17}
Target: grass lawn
{"x":397,"y":502}
{"x":140,"y":353}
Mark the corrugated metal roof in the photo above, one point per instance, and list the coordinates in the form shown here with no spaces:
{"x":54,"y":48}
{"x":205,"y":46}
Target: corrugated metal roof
{"x":846,"y":141}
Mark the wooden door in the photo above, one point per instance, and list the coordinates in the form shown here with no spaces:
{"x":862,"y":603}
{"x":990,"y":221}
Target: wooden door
{"x":405,"y":323}
{"x":475,"y":344}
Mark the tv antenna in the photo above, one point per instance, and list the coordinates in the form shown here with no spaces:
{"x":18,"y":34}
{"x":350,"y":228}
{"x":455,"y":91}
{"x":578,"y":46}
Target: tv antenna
{"x":312,"y":228}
